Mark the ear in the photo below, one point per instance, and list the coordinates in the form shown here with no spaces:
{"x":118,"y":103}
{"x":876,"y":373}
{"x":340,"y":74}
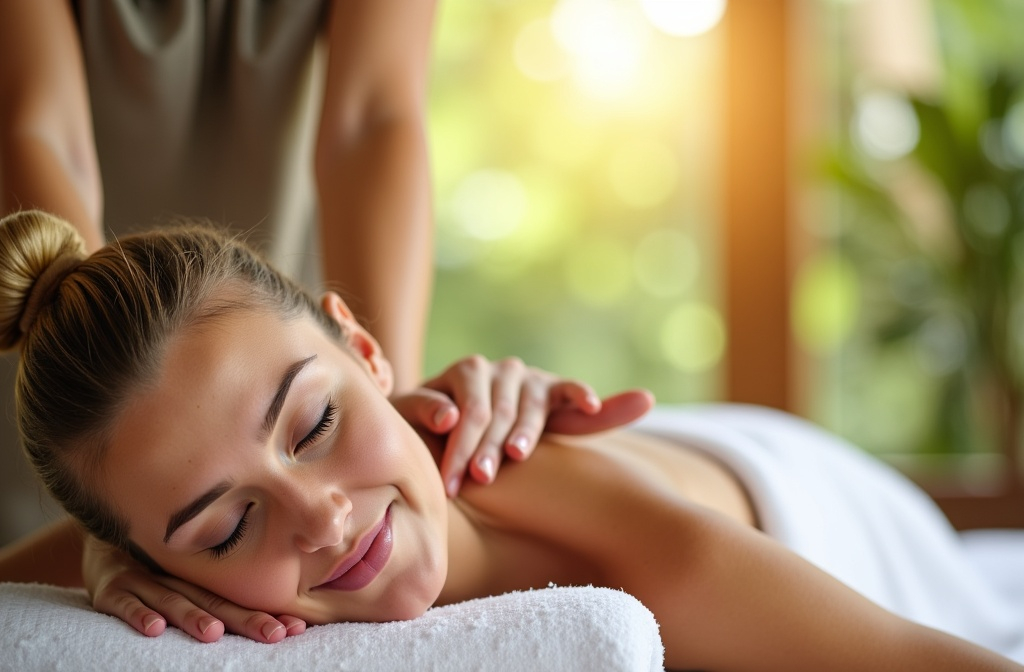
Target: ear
{"x":363,"y":346}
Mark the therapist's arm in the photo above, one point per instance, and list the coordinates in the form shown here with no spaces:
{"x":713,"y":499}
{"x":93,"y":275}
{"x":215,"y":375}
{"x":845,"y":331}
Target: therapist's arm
{"x":47,"y":151}
{"x":373,"y":176}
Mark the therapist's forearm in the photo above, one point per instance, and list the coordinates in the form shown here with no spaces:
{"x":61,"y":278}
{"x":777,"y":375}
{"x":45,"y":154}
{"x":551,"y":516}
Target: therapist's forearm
{"x":373,"y":172}
{"x":378,"y":240}
{"x":50,"y":555}
{"x":34,"y":175}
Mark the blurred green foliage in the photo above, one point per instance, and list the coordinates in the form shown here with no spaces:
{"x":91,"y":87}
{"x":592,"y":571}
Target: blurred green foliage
{"x":935,"y":231}
{"x":575,"y":211}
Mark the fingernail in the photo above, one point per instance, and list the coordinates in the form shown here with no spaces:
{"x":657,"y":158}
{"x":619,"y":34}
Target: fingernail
{"x":269,"y":629}
{"x":441,"y":414}
{"x":486,"y":465}
{"x":520,"y":443}
{"x":453,"y":486}
{"x":206,"y":623}
{"x":151,"y":620}
{"x":593,"y":400}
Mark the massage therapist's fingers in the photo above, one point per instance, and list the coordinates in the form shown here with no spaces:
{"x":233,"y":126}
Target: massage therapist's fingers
{"x":468,"y":381}
{"x":201,"y":612}
{"x":542,"y":394}
{"x":533,"y":413}
{"x":428,"y":410}
{"x":510,"y":379}
{"x":616,"y":411}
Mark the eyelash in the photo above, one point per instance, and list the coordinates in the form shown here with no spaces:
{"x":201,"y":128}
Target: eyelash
{"x":321,"y":428}
{"x":221,"y":549}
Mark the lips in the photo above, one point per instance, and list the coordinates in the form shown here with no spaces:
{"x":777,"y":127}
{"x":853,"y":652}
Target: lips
{"x":366,"y":561}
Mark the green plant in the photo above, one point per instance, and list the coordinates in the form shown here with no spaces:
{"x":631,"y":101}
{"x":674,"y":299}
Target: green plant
{"x":937,"y":234}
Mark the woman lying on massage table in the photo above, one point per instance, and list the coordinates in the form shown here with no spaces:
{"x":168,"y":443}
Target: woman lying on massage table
{"x":239,"y":437}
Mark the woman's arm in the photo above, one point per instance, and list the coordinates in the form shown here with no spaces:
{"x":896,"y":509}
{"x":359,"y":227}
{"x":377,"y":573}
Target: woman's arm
{"x":735,"y":599}
{"x":726,"y":596}
{"x":373,"y":175}
{"x":47,"y":152}
{"x":52,"y":554}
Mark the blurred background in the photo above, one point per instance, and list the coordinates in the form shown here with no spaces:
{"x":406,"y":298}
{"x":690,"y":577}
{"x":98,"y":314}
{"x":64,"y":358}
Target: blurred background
{"x":816,"y":205}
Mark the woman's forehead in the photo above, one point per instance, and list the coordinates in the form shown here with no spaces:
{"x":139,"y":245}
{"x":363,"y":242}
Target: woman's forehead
{"x":205,"y":410}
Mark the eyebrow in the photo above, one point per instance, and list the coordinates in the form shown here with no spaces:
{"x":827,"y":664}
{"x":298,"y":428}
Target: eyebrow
{"x":270,"y":420}
{"x":197,"y":505}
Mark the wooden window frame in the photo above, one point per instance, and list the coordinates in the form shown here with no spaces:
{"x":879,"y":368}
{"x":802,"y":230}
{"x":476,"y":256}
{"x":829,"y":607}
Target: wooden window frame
{"x":758,"y":237}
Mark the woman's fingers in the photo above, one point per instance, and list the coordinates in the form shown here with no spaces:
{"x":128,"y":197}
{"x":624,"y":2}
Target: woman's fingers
{"x":199,"y":613}
{"x":149,"y":606}
{"x":130,"y":609}
{"x":293,"y":625}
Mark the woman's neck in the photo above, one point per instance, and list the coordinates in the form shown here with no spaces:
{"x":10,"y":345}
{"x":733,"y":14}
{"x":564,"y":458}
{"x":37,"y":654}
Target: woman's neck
{"x":491,"y":551}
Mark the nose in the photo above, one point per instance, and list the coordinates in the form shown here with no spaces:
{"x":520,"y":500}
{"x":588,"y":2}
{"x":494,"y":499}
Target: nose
{"x":318,"y":516}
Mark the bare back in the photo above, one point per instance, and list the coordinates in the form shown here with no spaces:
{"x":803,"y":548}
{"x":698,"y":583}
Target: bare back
{"x":676,"y":529}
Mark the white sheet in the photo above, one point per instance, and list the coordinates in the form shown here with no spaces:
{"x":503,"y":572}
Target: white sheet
{"x":557,"y":629}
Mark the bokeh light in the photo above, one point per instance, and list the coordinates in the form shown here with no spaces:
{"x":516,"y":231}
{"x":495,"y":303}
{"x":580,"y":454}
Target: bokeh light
{"x":826,"y":297}
{"x":667,"y":263}
{"x":574,"y":215}
{"x":538,"y":54}
{"x":489,"y":204}
{"x":598,"y":270}
{"x":693,"y":337}
{"x":643,"y":173}
{"x":684,"y":17}
{"x":885,"y":125}
{"x":606,"y":39}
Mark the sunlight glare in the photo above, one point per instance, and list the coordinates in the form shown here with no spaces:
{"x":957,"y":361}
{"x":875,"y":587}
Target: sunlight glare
{"x":490,"y":204}
{"x":607,"y":40}
{"x":538,"y":55}
{"x":684,"y":18}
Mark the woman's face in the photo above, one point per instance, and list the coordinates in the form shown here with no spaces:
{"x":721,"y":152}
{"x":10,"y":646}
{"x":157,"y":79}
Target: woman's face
{"x":266,"y":465}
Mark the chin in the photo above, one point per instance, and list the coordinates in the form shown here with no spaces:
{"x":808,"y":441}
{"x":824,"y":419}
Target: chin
{"x":409,"y":599}
{"x":404,"y":599}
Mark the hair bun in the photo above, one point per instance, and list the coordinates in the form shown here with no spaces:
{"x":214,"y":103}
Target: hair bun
{"x":37,"y":251}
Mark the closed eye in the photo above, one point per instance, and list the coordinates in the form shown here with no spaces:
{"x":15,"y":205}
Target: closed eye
{"x":222,"y":549}
{"x":326,"y":420}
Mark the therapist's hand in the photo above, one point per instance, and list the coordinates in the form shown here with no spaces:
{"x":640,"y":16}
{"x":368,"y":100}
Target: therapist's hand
{"x":123,"y":588}
{"x":492,"y":409}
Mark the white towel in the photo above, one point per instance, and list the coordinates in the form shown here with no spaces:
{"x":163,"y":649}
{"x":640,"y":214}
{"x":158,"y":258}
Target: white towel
{"x":854,"y":517}
{"x":556,"y":629}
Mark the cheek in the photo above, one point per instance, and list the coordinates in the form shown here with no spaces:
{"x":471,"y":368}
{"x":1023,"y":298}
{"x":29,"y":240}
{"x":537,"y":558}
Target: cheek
{"x":379,"y":449}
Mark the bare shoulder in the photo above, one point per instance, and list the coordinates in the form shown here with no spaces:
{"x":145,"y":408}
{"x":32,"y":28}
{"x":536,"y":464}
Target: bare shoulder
{"x":608,"y":495}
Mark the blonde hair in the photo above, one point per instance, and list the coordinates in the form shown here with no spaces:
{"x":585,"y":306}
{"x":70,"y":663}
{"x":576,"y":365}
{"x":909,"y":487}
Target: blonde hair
{"x":93,"y":329}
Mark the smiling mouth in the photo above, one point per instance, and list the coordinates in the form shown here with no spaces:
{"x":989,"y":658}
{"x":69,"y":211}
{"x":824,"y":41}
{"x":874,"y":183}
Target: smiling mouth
{"x":366,"y":561}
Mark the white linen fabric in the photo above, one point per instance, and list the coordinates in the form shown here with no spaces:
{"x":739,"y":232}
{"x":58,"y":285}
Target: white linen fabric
{"x":555,"y":629}
{"x":859,"y":520}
